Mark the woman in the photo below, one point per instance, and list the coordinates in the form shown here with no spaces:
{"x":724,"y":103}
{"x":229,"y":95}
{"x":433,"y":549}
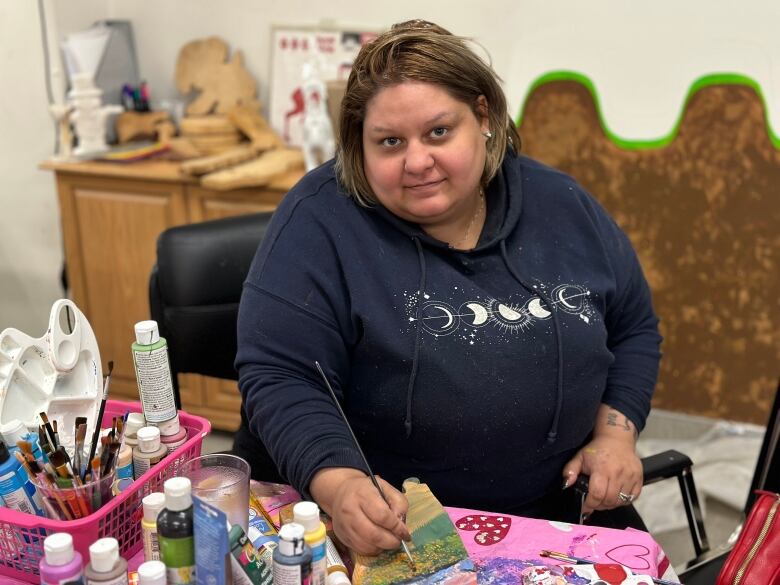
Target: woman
{"x":485,"y":324}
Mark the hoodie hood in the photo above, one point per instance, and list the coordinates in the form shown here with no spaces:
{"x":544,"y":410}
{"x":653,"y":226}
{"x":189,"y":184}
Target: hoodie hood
{"x":504,"y":201}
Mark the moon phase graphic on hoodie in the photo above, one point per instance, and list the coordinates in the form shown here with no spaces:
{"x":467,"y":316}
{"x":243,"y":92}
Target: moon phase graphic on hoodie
{"x":441,"y":318}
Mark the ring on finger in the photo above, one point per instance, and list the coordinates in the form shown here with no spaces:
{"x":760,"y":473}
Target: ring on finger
{"x":626,"y":498}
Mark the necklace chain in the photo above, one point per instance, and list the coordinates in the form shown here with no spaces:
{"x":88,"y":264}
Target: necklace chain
{"x":477,"y":213}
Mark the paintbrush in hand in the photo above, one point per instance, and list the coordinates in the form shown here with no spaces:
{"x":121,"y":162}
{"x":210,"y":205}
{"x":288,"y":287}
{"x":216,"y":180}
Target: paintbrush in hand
{"x":362,"y":455}
{"x":96,"y":428}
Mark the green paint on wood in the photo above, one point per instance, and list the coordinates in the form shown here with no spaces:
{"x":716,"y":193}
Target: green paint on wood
{"x":628,"y":144}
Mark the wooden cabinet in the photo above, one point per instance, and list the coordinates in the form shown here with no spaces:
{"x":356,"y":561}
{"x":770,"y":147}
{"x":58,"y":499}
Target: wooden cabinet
{"x":111,"y":217}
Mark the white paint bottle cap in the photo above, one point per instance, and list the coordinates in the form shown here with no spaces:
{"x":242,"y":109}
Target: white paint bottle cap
{"x":135,"y":421}
{"x":337,"y":578}
{"x":148,"y":439}
{"x":13,"y":431}
{"x":147,"y":332}
{"x":307,"y":514}
{"x":103,"y":554}
{"x":151,"y":573}
{"x":153,"y":503}
{"x":178,"y":494}
{"x":291,"y":539}
{"x":58,"y":549}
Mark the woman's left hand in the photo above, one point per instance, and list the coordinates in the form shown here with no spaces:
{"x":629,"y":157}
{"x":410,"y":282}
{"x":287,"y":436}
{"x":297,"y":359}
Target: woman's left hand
{"x":611,"y":462}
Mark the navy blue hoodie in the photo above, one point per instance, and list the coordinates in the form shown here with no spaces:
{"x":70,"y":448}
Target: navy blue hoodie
{"x":479,"y":372}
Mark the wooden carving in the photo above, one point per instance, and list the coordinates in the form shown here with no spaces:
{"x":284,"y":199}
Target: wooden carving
{"x":202,"y":67}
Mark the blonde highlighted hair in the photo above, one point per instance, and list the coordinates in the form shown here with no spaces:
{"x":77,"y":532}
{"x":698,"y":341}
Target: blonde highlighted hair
{"x":421,"y":51}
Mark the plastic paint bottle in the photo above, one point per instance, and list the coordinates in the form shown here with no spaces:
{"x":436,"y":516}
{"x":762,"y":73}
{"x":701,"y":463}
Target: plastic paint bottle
{"x":152,"y":573}
{"x":169,"y":427}
{"x":292,"y":558}
{"x":175,"y":532}
{"x":338,"y":578}
{"x":335,"y":564}
{"x":307,"y":514}
{"x":153,"y":373}
{"x":135,"y":422}
{"x":60,"y":563}
{"x":15,"y":431}
{"x":148,"y":452}
{"x":105,"y":566}
{"x":13,"y":479}
{"x":173,"y":442}
{"x":153,"y":504}
{"x":124,"y":468}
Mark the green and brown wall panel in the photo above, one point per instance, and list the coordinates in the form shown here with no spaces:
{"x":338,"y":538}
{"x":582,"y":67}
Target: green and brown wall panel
{"x":702,"y":208}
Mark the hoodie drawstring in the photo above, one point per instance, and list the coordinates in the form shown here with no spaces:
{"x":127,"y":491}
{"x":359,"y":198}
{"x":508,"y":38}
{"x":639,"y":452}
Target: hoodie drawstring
{"x":415,"y":358}
{"x":552,"y":434}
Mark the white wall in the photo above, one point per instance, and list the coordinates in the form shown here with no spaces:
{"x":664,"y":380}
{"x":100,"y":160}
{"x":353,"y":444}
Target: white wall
{"x":246,"y":25}
{"x":642,"y":57}
{"x":30,"y":237}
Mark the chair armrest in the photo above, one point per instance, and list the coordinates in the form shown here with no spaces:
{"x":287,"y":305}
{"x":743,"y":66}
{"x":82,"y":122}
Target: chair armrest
{"x":664,"y":465}
{"x":656,"y":467}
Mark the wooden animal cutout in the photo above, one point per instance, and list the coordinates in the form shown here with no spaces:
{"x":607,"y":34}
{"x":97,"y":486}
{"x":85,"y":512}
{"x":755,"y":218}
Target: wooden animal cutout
{"x":133,"y":125}
{"x":202,"y":66}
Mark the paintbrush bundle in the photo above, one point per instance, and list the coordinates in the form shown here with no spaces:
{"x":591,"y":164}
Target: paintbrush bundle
{"x":73,"y":484}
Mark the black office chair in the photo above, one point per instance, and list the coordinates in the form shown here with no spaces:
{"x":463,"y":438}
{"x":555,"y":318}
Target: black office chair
{"x":194,"y":291}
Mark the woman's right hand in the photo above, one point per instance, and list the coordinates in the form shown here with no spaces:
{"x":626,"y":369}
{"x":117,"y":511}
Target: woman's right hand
{"x":361,"y":518}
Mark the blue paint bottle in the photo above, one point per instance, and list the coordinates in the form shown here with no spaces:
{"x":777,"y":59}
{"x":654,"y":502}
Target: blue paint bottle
{"x":292,"y":558}
{"x":12,"y":491}
{"x":13,"y":432}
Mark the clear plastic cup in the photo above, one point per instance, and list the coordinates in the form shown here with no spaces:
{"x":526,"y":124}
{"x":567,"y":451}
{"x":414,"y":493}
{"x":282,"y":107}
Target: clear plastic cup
{"x":222,"y":481}
{"x":72,"y":503}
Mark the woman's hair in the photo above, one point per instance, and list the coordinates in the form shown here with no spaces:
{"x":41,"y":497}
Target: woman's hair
{"x":421,"y":51}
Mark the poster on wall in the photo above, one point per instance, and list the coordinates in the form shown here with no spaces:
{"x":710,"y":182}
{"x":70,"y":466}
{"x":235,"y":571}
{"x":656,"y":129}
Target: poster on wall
{"x":328,"y":53}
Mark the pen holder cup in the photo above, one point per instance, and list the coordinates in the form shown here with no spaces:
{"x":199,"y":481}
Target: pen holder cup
{"x":74,"y":503}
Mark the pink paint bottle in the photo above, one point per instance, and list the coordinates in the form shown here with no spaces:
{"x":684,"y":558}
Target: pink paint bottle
{"x":60,"y":564}
{"x":173,"y":442}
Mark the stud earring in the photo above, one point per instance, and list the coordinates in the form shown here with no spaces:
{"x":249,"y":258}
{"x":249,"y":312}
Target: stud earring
{"x":487,"y":134}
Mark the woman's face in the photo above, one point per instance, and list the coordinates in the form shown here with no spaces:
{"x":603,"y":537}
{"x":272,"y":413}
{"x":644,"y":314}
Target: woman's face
{"x":424,"y":153}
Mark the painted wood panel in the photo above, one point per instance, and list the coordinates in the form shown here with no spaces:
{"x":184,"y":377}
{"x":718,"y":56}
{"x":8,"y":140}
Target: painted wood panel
{"x":703,"y":213}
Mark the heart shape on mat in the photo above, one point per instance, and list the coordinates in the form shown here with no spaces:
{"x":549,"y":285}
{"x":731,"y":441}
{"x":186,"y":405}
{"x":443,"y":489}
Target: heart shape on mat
{"x":633,"y":556}
{"x":490,"y":529}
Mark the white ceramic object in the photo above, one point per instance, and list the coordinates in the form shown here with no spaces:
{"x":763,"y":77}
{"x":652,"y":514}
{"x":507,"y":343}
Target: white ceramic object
{"x":59,"y":374}
{"x":89,"y":115}
{"x":318,"y":142}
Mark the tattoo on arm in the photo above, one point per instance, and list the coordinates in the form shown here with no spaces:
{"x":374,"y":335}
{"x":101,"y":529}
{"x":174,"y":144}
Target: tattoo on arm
{"x":612,"y":421}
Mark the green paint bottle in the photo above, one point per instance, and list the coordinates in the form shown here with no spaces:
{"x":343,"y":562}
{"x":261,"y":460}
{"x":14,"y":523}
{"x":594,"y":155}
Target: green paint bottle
{"x":175,"y":532}
{"x":153,"y":373}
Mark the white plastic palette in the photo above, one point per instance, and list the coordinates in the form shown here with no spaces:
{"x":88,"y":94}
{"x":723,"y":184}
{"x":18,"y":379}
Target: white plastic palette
{"x":59,"y":374}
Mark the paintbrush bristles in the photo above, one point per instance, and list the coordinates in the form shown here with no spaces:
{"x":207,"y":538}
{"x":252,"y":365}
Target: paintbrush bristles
{"x":59,"y":461}
{"x":101,"y":411}
{"x":26,"y":448}
{"x":52,"y":439}
{"x":81,"y":434}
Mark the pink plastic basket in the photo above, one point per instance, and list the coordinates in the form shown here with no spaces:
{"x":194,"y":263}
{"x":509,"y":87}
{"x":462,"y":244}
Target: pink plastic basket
{"x":21,"y":535}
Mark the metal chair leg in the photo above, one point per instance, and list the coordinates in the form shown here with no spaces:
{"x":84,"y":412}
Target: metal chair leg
{"x":693,"y":512}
